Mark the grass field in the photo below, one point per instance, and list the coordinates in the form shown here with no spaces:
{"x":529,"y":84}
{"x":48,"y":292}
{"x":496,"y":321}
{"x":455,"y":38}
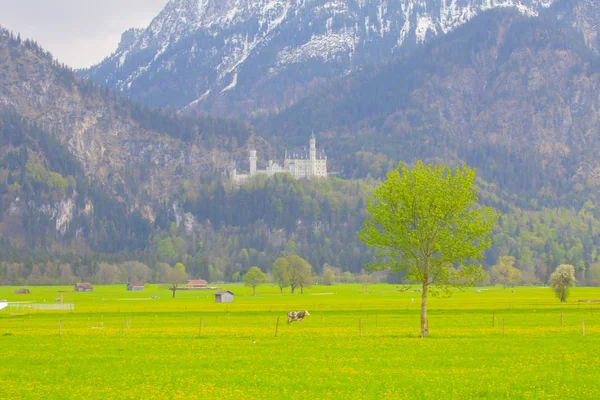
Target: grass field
{"x":123,"y":345}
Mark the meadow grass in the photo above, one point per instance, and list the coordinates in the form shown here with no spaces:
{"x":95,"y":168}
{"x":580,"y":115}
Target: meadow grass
{"x":125,"y":345}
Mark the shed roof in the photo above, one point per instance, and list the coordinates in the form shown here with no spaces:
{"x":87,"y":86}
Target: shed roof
{"x":84,"y":285}
{"x":197,"y":282}
{"x":220,"y":292}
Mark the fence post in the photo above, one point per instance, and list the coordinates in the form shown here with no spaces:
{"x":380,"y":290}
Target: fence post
{"x":276,"y":326}
{"x":360,"y":326}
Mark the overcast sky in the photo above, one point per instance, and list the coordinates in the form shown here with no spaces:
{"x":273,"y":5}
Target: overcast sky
{"x":77,"y":32}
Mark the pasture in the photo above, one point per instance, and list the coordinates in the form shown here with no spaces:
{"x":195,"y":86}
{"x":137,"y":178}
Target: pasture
{"x":125,"y":345}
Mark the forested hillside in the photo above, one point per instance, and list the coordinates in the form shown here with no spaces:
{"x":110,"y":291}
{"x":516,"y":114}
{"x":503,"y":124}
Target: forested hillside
{"x":510,"y":95}
{"x":218,"y":231}
{"x":90,"y":183}
{"x":112,"y":138}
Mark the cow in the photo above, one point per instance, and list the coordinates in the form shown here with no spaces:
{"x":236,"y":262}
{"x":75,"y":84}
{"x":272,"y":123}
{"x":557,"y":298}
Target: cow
{"x":296,"y":316}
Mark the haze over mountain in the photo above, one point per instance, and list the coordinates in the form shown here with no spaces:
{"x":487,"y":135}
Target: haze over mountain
{"x":250,"y":57}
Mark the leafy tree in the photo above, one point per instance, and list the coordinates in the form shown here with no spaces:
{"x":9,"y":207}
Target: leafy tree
{"x":365,"y":279}
{"x":176,"y":276}
{"x":300,"y":272}
{"x":426,"y":221}
{"x":280,"y":273}
{"x":254,"y":277}
{"x":561,"y":281}
{"x":137,"y":272}
{"x":505,"y":272}
{"x":593,"y":275}
{"x":244,"y":258}
{"x":166,"y":251}
{"x":180,"y":267}
{"x":328,"y":277}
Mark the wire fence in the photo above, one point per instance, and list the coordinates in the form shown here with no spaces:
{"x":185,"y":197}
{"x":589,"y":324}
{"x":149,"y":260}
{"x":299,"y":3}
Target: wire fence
{"x":41,"y":307}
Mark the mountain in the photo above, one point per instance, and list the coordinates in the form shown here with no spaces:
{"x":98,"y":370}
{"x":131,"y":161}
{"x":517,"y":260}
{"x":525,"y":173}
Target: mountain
{"x":89,"y":180}
{"x":246,"y":57}
{"x":70,"y":148}
{"x":584,"y":17}
{"x":513,"y":96}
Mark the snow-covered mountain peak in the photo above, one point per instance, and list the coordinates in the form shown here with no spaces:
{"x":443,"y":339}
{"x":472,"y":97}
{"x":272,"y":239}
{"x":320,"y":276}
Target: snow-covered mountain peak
{"x":197,"y":51}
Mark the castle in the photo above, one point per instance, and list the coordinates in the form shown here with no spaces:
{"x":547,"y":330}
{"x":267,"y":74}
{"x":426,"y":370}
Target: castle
{"x":299,"y":164}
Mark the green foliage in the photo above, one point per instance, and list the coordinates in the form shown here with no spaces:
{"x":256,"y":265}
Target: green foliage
{"x":505,"y":272}
{"x":299,"y":272}
{"x":280,"y":273}
{"x":180,"y":267}
{"x":254,"y":277}
{"x":328,"y":277}
{"x":562,"y":280}
{"x":426,"y":222}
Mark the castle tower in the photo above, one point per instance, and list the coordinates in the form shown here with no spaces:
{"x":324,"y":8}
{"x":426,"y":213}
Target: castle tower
{"x":253,"y":160}
{"x":313,"y":155}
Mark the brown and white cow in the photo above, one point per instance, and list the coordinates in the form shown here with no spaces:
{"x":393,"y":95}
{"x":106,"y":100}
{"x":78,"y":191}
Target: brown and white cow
{"x":296,"y":316}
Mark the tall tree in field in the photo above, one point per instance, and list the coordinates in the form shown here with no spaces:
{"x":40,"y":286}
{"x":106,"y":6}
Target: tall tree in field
{"x":253,"y":278}
{"x":328,"y":278}
{"x":505,"y":272}
{"x":426,"y":221}
{"x":280,"y":273}
{"x":300,"y":272}
{"x":175,"y":276}
{"x":561,"y":281}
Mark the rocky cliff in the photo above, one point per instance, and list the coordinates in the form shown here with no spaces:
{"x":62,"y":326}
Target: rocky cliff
{"x":110,"y":137}
{"x":514,"y":96}
{"x":70,"y":149}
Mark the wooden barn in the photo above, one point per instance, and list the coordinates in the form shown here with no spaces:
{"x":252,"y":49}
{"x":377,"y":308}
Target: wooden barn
{"x":135,"y":286}
{"x":83,"y":287}
{"x":224,"y":296}
{"x":194,"y":284}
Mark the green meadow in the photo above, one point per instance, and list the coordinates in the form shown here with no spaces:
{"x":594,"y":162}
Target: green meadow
{"x":516,"y":343}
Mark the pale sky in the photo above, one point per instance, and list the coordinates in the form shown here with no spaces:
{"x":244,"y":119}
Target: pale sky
{"x":78,"y":33}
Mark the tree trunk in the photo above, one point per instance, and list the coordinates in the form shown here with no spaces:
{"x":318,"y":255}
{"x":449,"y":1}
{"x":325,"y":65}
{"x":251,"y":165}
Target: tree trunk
{"x":281,"y":289}
{"x":424,"y":328}
{"x":301,"y":289}
{"x":173,"y":292}
{"x":254,"y":288}
{"x":293,"y":288}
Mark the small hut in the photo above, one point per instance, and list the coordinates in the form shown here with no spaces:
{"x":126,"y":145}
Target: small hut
{"x":135,"y":286}
{"x":224,"y":296}
{"x":83,"y":287}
